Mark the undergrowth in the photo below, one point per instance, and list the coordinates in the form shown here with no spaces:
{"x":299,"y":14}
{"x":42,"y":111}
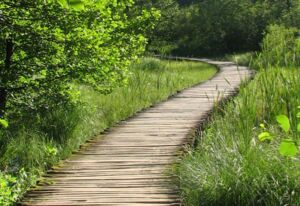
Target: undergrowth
{"x":231,"y":166}
{"x":244,"y":157}
{"x":29,"y":146}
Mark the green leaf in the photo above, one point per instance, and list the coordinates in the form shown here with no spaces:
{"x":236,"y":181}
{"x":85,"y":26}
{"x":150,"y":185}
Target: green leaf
{"x":288,"y":148}
{"x":101,"y":4}
{"x":265,"y":136}
{"x":52,"y":151}
{"x":23,"y":80}
{"x":63,"y":3}
{"x":3,"y":123}
{"x":262,"y":126}
{"x":284,"y":122}
{"x":298,"y":127}
{"x":43,"y":73}
{"x":76,"y":4}
{"x":298,"y":115}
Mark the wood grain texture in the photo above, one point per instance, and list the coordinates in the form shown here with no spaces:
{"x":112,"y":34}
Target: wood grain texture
{"x":127,"y":164}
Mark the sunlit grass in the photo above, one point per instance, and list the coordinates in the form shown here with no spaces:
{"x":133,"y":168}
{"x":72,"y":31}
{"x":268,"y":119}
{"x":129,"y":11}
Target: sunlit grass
{"x":230,"y":166}
{"x":150,"y":82}
{"x":39,"y":142}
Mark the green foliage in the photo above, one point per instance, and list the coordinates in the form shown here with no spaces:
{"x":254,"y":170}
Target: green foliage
{"x":287,"y":146}
{"x":284,"y":122}
{"x":38,"y":141}
{"x":231,"y":164}
{"x":6,"y":194}
{"x":3,"y":123}
{"x":265,"y":136}
{"x":11,"y":187}
{"x":47,"y":45}
{"x":243,"y":59}
{"x":163,"y":37}
{"x":151,"y":64}
{"x":218,"y":26}
{"x":51,"y":150}
{"x":280,"y":47}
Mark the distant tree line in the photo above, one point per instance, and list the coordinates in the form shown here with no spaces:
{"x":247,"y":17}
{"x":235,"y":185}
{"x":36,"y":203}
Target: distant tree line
{"x":214,"y":27}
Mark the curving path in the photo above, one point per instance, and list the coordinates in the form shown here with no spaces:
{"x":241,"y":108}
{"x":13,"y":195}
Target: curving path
{"x":127,"y":164}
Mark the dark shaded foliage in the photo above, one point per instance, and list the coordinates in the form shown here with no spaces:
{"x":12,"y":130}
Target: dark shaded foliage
{"x":213,"y":27}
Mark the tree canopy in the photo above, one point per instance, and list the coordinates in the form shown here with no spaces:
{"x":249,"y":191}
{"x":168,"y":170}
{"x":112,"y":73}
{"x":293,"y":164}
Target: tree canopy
{"x":47,"y":45}
{"x":215,"y":27}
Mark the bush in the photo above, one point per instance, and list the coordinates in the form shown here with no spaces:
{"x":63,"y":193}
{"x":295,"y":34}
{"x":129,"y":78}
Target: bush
{"x":41,"y":55}
{"x":11,"y":187}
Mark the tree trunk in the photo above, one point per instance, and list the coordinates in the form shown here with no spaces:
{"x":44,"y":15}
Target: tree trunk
{"x":5,"y":76}
{"x":3,"y":100}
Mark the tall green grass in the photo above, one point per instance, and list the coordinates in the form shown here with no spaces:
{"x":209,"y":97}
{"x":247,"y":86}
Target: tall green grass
{"x":230,"y":165}
{"x":281,"y":47}
{"x":244,"y":59}
{"x":36,"y":142}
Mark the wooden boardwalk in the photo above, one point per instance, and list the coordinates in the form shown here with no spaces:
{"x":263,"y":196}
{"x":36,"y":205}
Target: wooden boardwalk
{"x":127,"y":164}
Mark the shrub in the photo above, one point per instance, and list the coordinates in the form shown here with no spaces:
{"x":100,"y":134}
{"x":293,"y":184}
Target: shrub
{"x":11,"y":187}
